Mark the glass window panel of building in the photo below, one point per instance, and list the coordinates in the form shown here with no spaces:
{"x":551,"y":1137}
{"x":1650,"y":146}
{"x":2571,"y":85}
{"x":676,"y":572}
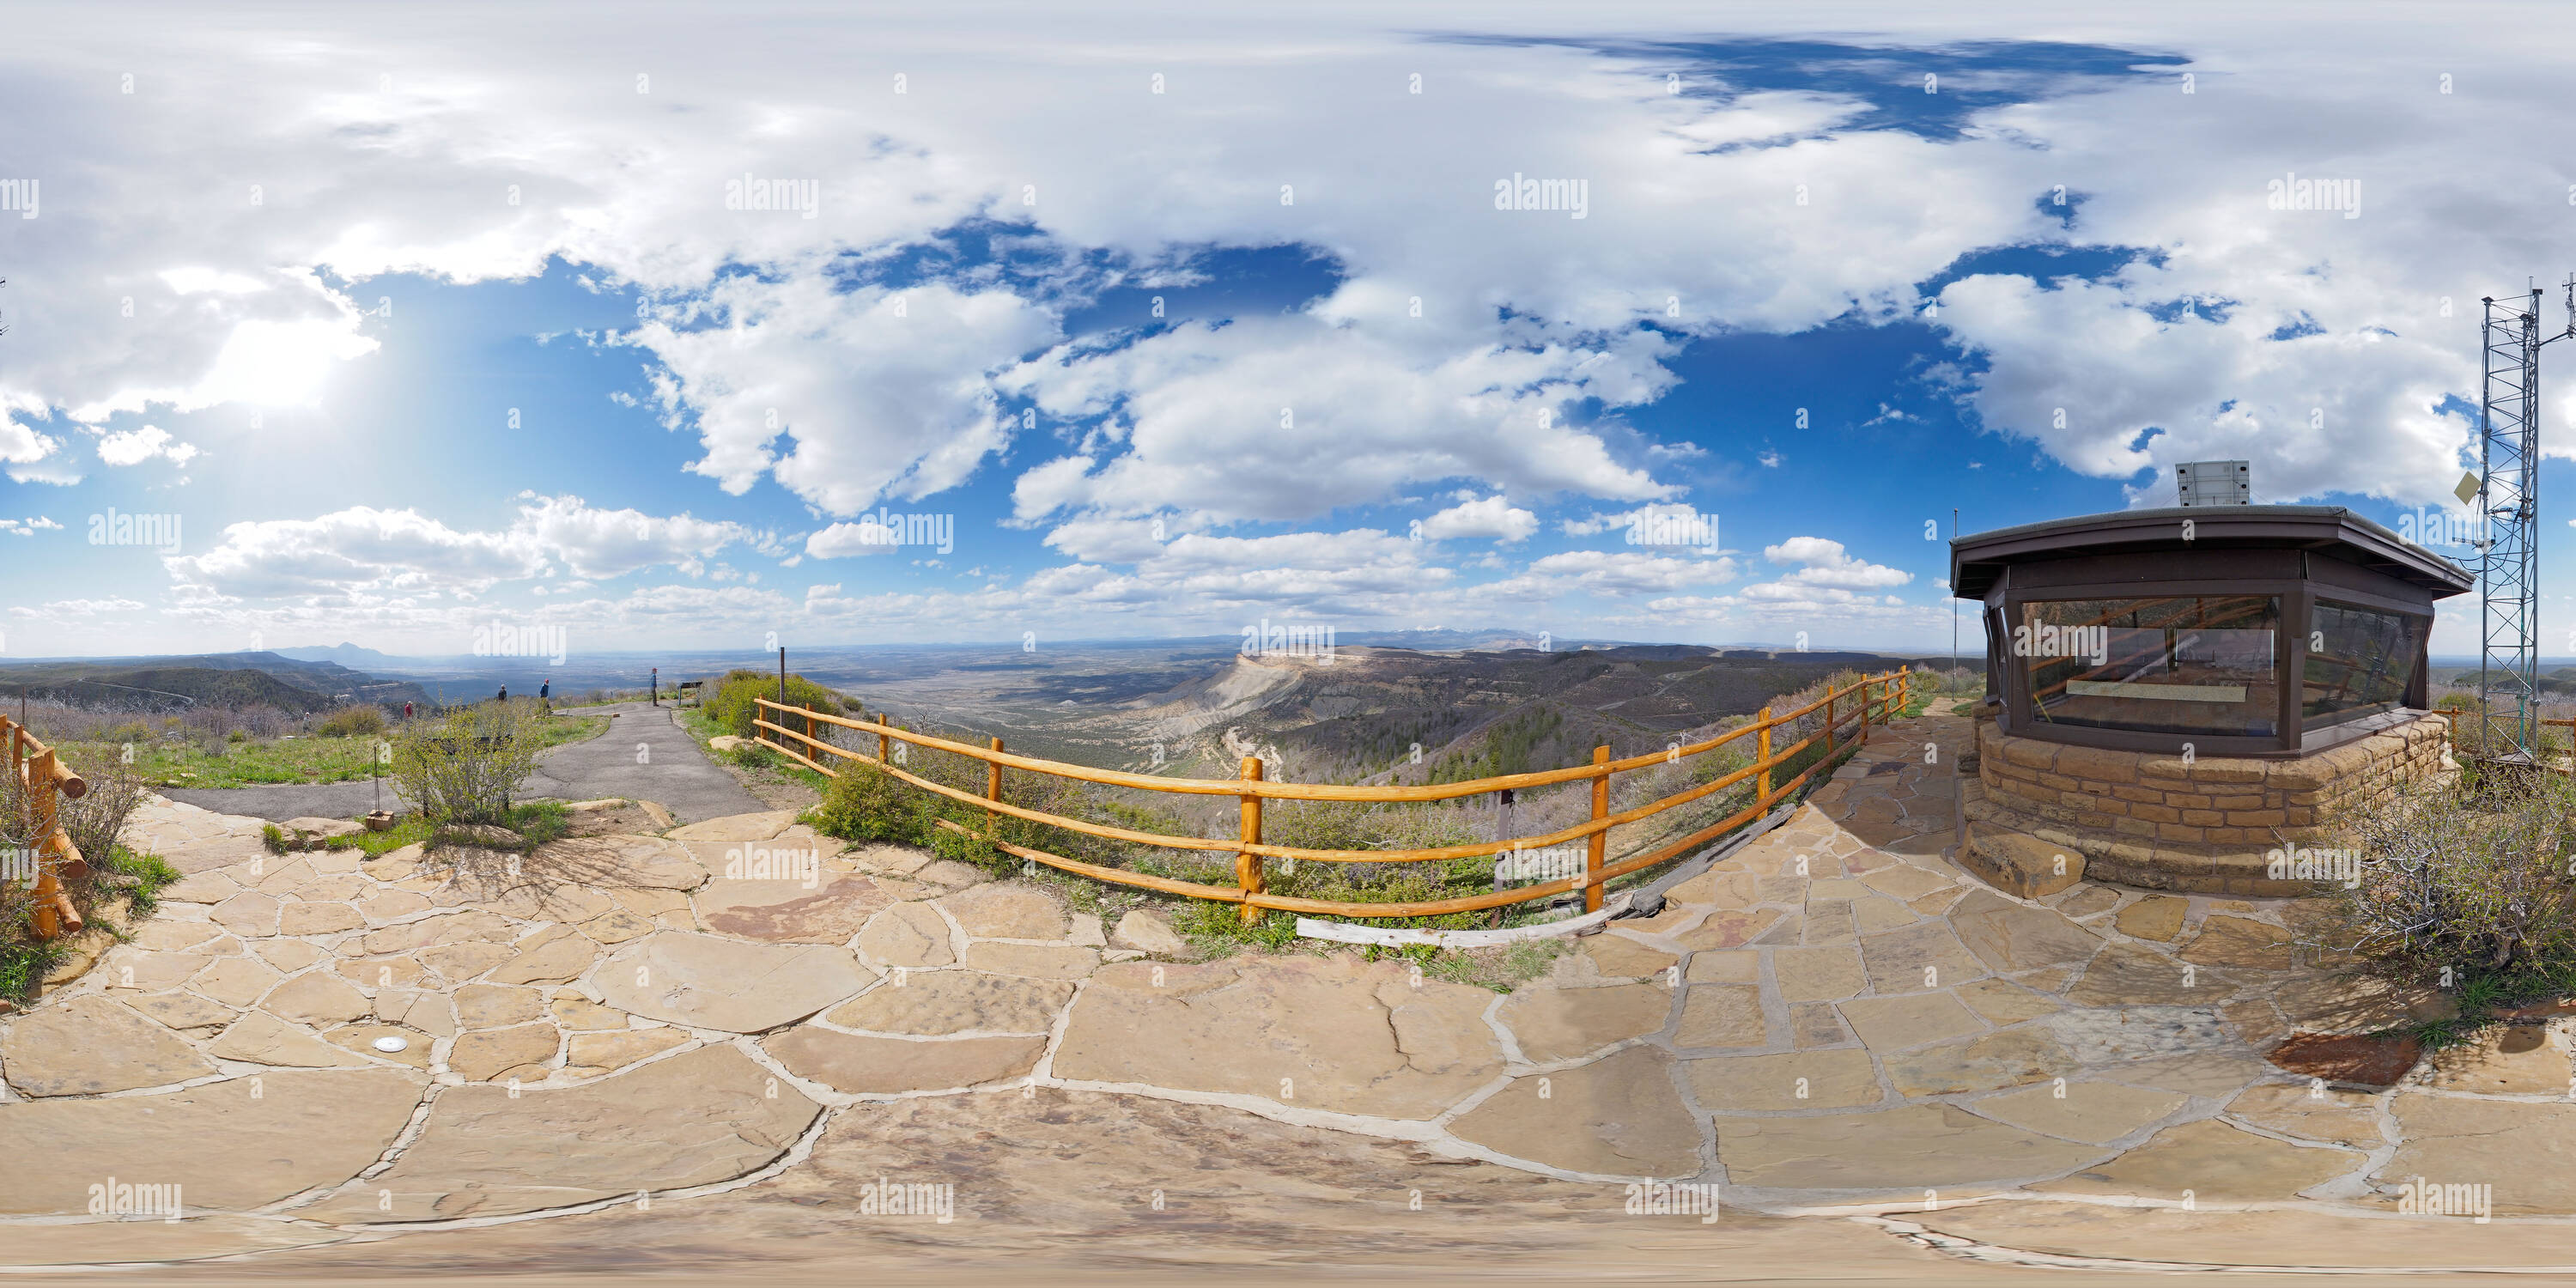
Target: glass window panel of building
{"x":2164,"y":664}
{"x":2360,"y":662}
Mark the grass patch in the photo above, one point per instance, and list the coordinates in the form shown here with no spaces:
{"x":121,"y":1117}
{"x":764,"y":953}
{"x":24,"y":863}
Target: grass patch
{"x":24,"y":963}
{"x":407,"y":829}
{"x":2483,"y":993}
{"x":253,"y":762}
{"x":410,"y":829}
{"x":140,"y":878}
{"x":535,"y":823}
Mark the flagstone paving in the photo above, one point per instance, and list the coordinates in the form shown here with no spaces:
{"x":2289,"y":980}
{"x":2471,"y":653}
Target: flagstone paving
{"x":1833,"y":1017}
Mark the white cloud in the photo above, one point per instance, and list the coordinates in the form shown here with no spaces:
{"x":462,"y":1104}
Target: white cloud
{"x":135,"y":446}
{"x":1290,"y":417}
{"x":194,"y":281}
{"x":843,"y":540}
{"x":611,"y":543}
{"x":2108,"y":390}
{"x":1490,"y":518}
{"x":1623,"y":572}
{"x":846,"y":397}
{"x":1452,"y":354}
{"x":1825,"y":569}
{"x":401,"y":554}
{"x":68,"y":608}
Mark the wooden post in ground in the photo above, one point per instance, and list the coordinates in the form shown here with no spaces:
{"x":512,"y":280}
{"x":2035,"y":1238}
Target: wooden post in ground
{"x":993,"y":782}
{"x":55,"y":915}
{"x":1247,"y":865}
{"x":1829,"y":724}
{"x":1762,"y":755}
{"x":1865,"y":687}
{"x":1599,"y":845}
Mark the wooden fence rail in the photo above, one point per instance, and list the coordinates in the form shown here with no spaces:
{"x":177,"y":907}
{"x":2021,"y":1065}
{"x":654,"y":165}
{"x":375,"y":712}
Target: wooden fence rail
{"x":1880,"y":696}
{"x":41,"y":776}
{"x":2486,"y":733}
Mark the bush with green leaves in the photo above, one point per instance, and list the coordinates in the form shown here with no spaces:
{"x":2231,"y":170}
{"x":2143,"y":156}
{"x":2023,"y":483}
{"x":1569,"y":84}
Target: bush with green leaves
{"x":353,"y":722}
{"x":2472,"y":876}
{"x":868,"y":804}
{"x":462,"y":767}
{"x":734,"y":704}
{"x":92,"y":822}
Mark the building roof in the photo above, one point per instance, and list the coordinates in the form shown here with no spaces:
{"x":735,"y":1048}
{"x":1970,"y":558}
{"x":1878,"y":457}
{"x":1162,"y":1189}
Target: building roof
{"x":1978,"y":559}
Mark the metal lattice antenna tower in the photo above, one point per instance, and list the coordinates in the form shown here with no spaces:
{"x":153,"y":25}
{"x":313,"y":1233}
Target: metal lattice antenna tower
{"x":2509,"y":502}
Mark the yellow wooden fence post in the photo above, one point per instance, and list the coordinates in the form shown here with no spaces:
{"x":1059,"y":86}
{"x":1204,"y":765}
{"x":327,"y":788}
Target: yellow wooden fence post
{"x":1599,"y":847}
{"x":993,"y":782}
{"x":1762,"y":756}
{"x":885,"y":743}
{"x":55,"y":915}
{"x":1247,"y":865}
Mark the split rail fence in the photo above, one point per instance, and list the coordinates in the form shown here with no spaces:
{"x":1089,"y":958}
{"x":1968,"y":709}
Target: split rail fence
{"x":1879,"y":698}
{"x":41,"y":775}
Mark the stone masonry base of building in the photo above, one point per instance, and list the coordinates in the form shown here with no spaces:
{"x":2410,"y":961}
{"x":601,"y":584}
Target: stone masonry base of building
{"x":2042,"y":815}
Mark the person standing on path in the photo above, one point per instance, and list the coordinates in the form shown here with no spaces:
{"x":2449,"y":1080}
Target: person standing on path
{"x":656,"y":690}
{"x":505,"y":694}
{"x":406,"y":712}
{"x":545,"y":694}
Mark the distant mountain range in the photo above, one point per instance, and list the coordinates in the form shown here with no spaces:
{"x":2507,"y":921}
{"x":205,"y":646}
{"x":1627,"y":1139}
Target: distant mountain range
{"x":346,"y":654}
{"x":290,"y":684}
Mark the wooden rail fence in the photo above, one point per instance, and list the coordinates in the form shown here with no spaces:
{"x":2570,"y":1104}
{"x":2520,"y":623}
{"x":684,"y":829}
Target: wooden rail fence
{"x":1880,"y":696}
{"x":41,"y":776}
{"x":2486,"y":732}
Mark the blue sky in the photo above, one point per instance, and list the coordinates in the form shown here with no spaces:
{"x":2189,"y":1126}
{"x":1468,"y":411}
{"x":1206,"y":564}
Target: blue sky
{"x":415,"y":331}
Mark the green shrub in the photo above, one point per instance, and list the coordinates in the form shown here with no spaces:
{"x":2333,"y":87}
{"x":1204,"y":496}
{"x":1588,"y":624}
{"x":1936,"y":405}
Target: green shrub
{"x":462,"y":767}
{"x":973,"y":848}
{"x":97,"y":816}
{"x":274,"y":837}
{"x":353,"y":722}
{"x":2471,"y":878}
{"x":867,"y":804}
{"x":733,"y":705}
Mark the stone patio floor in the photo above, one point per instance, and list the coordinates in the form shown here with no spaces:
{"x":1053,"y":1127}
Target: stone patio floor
{"x":1835,"y":1020}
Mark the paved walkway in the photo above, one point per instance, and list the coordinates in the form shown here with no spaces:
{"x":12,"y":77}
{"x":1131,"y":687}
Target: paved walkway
{"x":1836,"y":1020}
{"x":644,"y":755}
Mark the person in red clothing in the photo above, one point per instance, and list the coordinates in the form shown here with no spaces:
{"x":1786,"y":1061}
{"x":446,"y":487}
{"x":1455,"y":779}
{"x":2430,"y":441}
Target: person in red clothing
{"x":406,"y":711}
